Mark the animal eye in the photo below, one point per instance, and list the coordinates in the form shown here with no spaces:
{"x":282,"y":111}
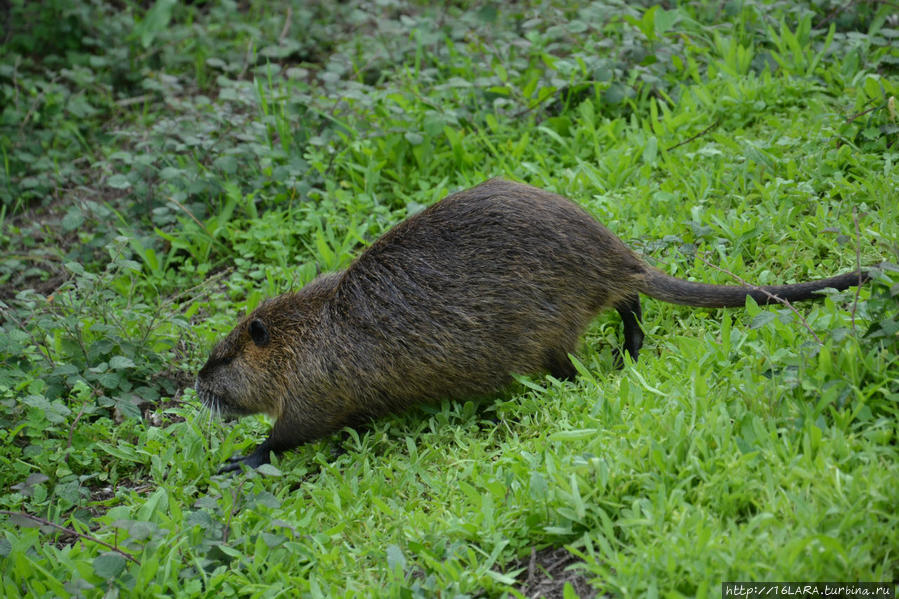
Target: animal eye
{"x":259,"y":332}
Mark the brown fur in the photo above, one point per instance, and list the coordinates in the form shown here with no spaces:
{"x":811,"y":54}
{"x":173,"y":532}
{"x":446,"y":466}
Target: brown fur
{"x":502,"y":278}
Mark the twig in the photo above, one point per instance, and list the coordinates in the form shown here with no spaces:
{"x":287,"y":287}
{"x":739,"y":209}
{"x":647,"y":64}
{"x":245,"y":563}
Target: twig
{"x":776,"y":298}
{"x":560,"y":561}
{"x":71,"y":531}
{"x":246,"y":62}
{"x":534,"y":106}
{"x":843,"y":7}
{"x":235,"y":493}
{"x":833,"y":13}
{"x":204,"y":283}
{"x":190,"y":214}
{"x":532,"y":568}
{"x":133,"y":100}
{"x":34,"y":104}
{"x":864,"y":112}
{"x":858,"y":265}
{"x":74,"y":423}
{"x":35,"y":257}
{"x":698,"y":135}
{"x":286,"y":24}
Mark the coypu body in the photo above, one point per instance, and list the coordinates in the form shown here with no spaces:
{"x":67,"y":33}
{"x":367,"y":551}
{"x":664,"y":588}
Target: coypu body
{"x":498,"y":279}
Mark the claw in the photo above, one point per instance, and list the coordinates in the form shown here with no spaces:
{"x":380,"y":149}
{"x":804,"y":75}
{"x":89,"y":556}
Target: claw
{"x":231,"y":465}
{"x":235,"y":463}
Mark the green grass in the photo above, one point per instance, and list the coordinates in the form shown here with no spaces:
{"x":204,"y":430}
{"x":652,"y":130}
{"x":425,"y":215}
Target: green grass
{"x":166,"y":167}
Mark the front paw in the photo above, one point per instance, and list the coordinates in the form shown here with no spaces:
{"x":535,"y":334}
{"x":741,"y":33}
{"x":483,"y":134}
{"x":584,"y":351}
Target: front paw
{"x":237,"y":462}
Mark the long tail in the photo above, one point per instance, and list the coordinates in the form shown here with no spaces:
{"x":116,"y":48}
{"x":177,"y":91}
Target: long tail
{"x":678,"y":291}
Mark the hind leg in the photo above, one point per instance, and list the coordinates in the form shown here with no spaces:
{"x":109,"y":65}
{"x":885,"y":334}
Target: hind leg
{"x":559,"y":365}
{"x":630,"y":316}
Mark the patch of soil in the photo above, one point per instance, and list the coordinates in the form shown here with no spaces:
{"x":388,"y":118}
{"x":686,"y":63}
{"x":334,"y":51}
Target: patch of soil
{"x":546,"y":571}
{"x":106,"y":492}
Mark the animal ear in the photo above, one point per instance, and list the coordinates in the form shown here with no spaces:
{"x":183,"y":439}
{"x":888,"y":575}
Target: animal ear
{"x":259,"y":332}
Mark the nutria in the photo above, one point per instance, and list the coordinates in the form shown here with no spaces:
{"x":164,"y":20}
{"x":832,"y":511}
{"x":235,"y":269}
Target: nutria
{"x":499,"y":279}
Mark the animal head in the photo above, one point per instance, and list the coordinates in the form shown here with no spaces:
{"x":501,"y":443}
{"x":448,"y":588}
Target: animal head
{"x":258,"y":364}
{"x":245,"y":371}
